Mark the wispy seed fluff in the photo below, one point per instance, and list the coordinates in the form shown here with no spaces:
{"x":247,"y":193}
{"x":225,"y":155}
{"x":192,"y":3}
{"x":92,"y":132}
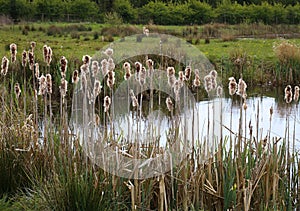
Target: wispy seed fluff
{"x":169,"y":103}
{"x":142,"y":78}
{"x":150,"y":65}
{"x":49,"y":83}
{"x":37,"y":70}
{"x":109,"y":52}
{"x":24,"y":58}
{"x":97,"y":88}
{"x":13,"y":52}
{"x":242,"y":86}
{"x":187,"y":72}
{"x":63,"y":66}
{"x":296,"y":94}
{"x":110,"y":79}
{"x":232,"y":86}
{"x":126,"y":67}
{"x":42,"y":85}
{"x":134,"y":100}
{"x":63,"y":88}
{"x":31,"y":60}
{"x":138,"y":68}
{"x":75,"y":77}
{"x":106,"y":103}
{"x":4,"y":65}
{"x":288,"y":94}
{"x":95,"y":68}
{"x":171,"y":76}
{"x":104,"y":67}
{"x":17,"y":90}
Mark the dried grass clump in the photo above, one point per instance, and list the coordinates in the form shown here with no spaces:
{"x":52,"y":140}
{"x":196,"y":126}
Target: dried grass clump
{"x":287,"y":53}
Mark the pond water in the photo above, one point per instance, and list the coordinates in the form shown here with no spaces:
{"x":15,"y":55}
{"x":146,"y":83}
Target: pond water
{"x":208,"y":115}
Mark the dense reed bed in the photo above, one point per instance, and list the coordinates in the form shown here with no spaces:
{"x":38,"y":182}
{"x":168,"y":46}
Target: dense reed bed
{"x":44,"y":163}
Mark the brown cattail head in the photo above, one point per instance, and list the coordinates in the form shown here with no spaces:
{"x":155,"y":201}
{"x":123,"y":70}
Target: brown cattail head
{"x":13,"y":52}
{"x":171,"y":76}
{"x":288,"y":94}
{"x":106,"y":103}
{"x":63,"y":88}
{"x":63,"y":66}
{"x":219,"y":91}
{"x":126,"y":66}
{"x":37,"y":70}
{"x":31,"y":60}
{"x":134,"y":100}
{"x":242,"y":86}
{"x":142,"y":78}
{"x":4,"y":65}
{"x":49,"y":56}
{"x":213,"y":73}
{"x":17,"y":90}
{"x":196,"y":81}
{"x":49,"y":83}
{"x":86,"y":59}
{"x":109,"y":52}
{"x":95,"y":68}
{"x":271,"y":111}
{"x":97,"y":88}
{"x":32,"y":45}
{"x":187,"y":72}
{"x":138,"y":68}
{"x":208,"y":83}
{"x":111,"y":64}
{"x":170,"y":71}
{"x":75,"y":77}
{"x":181,"y":78}
{"x":104,"y":67}
{"x":24,"y":58}
{"x":42,"y":85}
{"x":169,"y":103}
{"x":296,"y":94}
{"x":150,"y":65}
{"x":232,"y":86}
{"x":110,"y":79}
{"x":45,"y":53}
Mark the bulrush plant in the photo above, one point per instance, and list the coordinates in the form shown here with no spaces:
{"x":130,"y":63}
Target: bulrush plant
{"x":262,"y":176}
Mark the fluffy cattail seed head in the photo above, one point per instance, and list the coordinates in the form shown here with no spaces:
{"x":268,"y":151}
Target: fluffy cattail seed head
{"x":63,"y":66}
{"x":213,"y":73}
{"x":17,"y":90}
{"x":126,"y":66}
{"x":150,"y":65}
{"x":97,"y":88}
{"x":288,"y":94}
{"x":196,"y":81}
{"x":13,"y":52}
{"x":208,"y":83}
{"x":45,"y":53}
{"x":95,"y":68}
{"x":188,"y":72}
{"x":63,"y":88}
{"x":110,"y":79}
{"x":242,"y":86}
{"x":111,"y":64}
{"x":37,"y":70}
{"x":142,"y":78}
{"x":219,"y":91}
{"x":86,"y":59}
{"x":169,"y":103}
{"x":138,"y":68}
{"x":49,"y":83}
{"x":104,"y":67}
{"x":31,"y":60}
{"x":24,"y":58}
{"x":4,"y":65}
{"x":296,"y":94}
{"x":232,"y":86}
{"x":49,"y":56}
{"x":106,"y":103}
{"x":32,"y":45}
{"x":42,"y":85}
{"x":75,"y":77}
{"x":109,"y":52}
